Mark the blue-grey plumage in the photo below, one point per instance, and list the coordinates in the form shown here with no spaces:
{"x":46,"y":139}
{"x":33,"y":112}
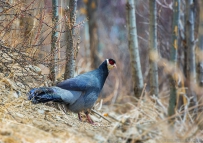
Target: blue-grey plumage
{"x":78,"y":93}
{"x":56,"y":94}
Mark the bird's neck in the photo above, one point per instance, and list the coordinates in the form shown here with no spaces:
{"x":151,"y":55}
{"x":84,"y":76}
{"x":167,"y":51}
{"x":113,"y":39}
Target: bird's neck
{"x":103,"y":73}
{"x":104,"y":70}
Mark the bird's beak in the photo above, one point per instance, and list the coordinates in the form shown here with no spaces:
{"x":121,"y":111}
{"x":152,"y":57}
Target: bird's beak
{"x":115,"y":66}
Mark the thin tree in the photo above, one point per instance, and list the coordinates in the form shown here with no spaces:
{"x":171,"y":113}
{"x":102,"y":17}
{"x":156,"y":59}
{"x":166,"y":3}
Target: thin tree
{"x":173,"y":56}
{"x":153,"y":47}
{"x":70,"y":49}
{"x":93,"y":32}
{"x":191,"y":43}
{"x":200,"y":47}
{"x":134,"y":49}
{"x":54,"y":38}
{"x":190,"y":38}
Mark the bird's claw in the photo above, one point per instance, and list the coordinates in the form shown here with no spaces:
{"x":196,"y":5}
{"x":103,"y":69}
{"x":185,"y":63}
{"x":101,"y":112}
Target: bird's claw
{"x":79,"y":116}
{"x":89,"y":118}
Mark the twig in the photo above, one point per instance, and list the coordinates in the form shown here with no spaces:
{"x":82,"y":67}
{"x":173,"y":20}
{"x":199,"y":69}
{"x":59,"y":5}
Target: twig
{"x":142,"y":93}
{"x":100,"y":105}
{"x":186,"y":107}
{"x":159,"y":103}
{"x":124,"y":123}
{"x":143,"y":90}
{"x":100,"y":115}
{"x":11,"y":115}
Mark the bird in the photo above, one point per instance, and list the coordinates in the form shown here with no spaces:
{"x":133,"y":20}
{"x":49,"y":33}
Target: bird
{"x":78,"y":93}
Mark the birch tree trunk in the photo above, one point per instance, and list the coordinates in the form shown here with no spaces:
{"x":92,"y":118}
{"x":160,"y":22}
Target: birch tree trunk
{"x":191,"y":68}
{"x":133,"y":49}
{"x":200,"y":62}
{"x":173,"y":56}
{"x":153,"y":47}
{"x":191,"y":56}
{"x":70,"y":50}
{"x":54,"y":38}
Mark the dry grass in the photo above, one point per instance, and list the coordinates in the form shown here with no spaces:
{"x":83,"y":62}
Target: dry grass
{"x":132,"y":120}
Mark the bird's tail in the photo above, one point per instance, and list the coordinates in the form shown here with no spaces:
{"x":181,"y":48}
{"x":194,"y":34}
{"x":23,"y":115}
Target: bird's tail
{"x":43,"y":94}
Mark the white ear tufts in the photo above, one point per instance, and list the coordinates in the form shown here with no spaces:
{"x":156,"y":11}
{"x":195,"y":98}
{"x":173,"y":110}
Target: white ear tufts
{"x":107,"y":60}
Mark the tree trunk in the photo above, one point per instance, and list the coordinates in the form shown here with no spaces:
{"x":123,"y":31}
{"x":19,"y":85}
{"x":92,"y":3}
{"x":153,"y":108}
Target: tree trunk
{"x":191,"y":68}
{"x":54,"y":38}
{"x":133,"y":49}
{"x":70,"y":50}
{"x":173,"y":57}
{"x":93,"y":32}
{"x":200,"y":59}
{"x":190,"y":40}
{"x":153,"y":47}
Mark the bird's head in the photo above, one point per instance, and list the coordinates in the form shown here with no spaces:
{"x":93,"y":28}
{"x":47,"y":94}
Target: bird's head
{"x":111,"y":64}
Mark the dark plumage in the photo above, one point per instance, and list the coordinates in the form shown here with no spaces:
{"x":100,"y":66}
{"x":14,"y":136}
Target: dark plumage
{"x":78,"y":93}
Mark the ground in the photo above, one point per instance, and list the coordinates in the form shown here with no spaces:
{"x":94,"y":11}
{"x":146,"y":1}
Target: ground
{"x":129,"y":119}
{"x":21,"y":121}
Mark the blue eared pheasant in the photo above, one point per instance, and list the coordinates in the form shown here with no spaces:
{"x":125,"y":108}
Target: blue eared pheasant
{"x":78,"y":93}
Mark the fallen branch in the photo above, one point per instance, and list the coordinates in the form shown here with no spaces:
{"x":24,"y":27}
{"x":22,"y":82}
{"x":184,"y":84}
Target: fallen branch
{"x":100,"y":115}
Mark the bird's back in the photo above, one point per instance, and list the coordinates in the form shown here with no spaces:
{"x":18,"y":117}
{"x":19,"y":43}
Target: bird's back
{"x":90,"y":84}
{"x":93,"y":80}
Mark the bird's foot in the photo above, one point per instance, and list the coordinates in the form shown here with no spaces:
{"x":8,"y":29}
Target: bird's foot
{"x":89,"y":119}
{"x":79,"y":116}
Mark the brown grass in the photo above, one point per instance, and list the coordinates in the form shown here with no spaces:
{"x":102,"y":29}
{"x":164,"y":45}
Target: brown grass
{"x":132,"y":120}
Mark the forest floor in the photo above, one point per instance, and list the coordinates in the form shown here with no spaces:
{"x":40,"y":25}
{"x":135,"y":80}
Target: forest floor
{"x":22,"y":121}
{"x":132,"y":121}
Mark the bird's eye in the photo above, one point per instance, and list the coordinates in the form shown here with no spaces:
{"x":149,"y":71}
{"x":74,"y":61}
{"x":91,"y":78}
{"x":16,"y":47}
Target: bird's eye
{"x":111,"y":62}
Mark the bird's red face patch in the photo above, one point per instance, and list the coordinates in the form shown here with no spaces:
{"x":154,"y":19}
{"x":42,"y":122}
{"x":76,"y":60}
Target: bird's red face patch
{"x":111,"y":64}
{"x":111,"y":61}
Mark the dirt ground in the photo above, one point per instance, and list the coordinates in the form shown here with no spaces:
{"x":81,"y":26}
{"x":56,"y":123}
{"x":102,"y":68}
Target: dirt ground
{"x":24,"y":122}
{"x":21,"y":121}
{"x":129,"y":121}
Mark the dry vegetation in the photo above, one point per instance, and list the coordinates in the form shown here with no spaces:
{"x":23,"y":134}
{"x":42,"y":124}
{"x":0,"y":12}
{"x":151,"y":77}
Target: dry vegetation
{"x":129,"y":119}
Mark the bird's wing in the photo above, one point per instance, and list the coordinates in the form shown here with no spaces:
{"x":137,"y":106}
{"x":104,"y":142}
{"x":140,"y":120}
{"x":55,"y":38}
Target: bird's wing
{"x":68,"y":96}
{"x":56,"y":94}
{"x":79,"y":83}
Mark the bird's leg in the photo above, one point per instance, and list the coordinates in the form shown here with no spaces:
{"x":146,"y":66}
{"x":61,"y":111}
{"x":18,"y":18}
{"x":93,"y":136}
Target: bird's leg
{"x":88,"y":117}
{"x":79,"y":116}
